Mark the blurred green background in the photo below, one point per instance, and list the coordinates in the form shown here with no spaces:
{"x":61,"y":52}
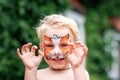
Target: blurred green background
{"x":18,"y":19}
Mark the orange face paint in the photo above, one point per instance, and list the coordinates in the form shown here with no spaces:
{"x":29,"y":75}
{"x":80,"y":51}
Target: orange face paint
{"x":57,"y":47}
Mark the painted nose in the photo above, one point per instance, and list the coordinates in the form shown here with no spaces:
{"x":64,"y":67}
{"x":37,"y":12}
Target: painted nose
{"x":57,"y":50}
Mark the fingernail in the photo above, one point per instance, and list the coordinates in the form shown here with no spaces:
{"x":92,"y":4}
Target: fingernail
{"x":29,"y":43}
{"x":35,"y":46}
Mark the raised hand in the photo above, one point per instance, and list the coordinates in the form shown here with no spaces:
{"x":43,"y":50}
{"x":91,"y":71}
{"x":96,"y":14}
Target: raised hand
{"x":78,"y":55}
{"x":28,"y":57}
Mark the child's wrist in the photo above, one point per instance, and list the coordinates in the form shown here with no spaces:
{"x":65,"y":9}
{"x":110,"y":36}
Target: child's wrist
{"x":31,"y":69}
{"x":77,"y":67}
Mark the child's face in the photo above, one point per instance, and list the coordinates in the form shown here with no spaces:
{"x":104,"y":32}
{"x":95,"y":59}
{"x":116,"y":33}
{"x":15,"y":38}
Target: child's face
{"x":56,"y":47}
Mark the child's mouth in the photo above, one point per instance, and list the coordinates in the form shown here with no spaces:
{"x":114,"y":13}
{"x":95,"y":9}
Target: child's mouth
{"x":58,"y":59}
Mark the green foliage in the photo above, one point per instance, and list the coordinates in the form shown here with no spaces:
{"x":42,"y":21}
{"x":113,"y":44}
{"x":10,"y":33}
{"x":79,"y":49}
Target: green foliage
{"x":111,"y":7}
{"x":91,"y":3}
{"x":99,"y":61}
{"x":17,"y":21}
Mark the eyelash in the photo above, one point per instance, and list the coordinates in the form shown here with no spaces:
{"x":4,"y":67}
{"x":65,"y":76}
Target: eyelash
{"x":63,"y":45}
{"x":49,"y":45}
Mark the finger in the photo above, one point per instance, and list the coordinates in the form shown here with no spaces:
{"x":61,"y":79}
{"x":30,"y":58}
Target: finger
{"x":71,"y":58}
{"x":40,"y":53}
{"x":82,"y":45}
{"x":18,"y":53}
{"x":79,"y":51}
{"x":72,"y":44}
{"x":27,"y":47}
{"x":85,"y":49}
{"x":68,"y":54}
{"x":33,"y":49}
{"x":78,"y":44}
{"x":40,"y":45}
{"x":23,"y":49}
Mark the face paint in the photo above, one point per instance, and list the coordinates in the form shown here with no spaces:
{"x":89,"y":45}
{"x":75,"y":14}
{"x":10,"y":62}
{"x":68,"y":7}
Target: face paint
{"x":57,"y":47}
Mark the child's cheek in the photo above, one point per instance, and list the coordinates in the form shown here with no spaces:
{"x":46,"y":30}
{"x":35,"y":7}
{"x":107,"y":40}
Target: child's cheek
{"x":70,"y":48}
{"x":47,"y":52}
{"x":67,"y":49}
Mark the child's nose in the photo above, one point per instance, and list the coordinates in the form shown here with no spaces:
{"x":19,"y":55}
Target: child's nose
{"x":57,"y":50}
{"x":57,"y":54}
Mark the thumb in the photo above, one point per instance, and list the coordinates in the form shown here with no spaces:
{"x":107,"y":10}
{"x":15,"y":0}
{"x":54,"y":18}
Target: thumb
{"x":70,"y":57}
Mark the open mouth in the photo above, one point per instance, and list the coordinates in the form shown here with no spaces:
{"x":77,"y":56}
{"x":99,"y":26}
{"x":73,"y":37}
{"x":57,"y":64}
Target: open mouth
{"x":58,"y":59}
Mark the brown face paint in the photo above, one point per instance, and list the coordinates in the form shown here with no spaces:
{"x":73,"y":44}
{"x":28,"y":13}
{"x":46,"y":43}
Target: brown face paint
{"x":57,"y":47}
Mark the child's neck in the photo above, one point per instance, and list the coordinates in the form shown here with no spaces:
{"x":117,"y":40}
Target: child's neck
{"x":63,"y":69}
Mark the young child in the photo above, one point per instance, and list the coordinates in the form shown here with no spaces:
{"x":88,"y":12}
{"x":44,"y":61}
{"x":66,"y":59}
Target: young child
{"x":60,"y":48}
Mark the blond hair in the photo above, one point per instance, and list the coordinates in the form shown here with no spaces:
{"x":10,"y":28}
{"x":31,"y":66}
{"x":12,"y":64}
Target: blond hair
{"x":57,"y":21}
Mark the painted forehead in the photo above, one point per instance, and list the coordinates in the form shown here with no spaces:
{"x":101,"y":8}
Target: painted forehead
{"x":56,"y":37}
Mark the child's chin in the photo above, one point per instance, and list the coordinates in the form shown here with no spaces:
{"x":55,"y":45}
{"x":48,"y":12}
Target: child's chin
{"x":58,"y":64}
{"x":58,"y":68}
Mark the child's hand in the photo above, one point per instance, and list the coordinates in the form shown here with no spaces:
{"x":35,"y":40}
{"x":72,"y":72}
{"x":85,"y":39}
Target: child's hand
{"x":28,"y":57}
{"x":79,"y":52}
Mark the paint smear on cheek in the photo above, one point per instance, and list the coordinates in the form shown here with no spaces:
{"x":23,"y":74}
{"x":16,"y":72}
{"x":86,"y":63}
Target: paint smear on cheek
{"x":48,"y":50}
{"x":64,"y":46}
{"x":67,"y":49}
{"x":48,"y":46}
